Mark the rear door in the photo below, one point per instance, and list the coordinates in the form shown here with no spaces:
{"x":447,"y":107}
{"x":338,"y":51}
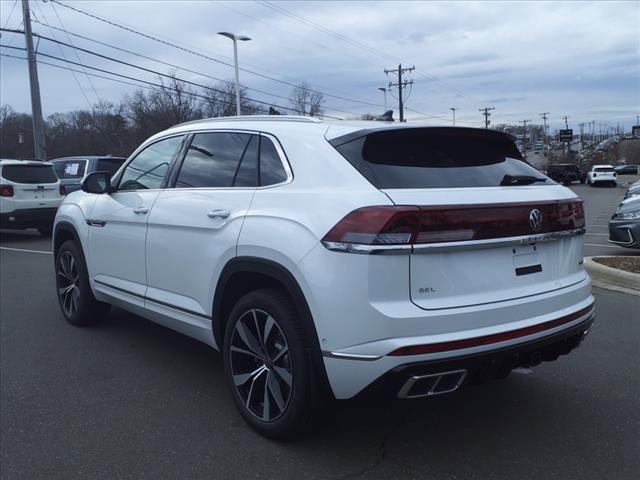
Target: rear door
{"x":482,"y":208}
{"x":194,"y":227}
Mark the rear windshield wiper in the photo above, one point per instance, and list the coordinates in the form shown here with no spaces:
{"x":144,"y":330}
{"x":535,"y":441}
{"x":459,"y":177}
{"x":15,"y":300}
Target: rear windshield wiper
{"x":520,"y":180}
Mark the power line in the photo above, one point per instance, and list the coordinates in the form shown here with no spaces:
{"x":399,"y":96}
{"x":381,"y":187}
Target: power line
{"x":84,"y":94}
{"x":95,"y":92}
{"x":486,"y":114}
{"x":193,"y":52}
{"x":6,"y":23}
{"x":155,"y":72}
{"x":351,"y":41}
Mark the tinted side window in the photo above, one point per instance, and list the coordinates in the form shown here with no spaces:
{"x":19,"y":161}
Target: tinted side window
{"x":218,"y":160}
{"x":271,"y":169}
{"x":110,"y":165}
{"x":148,"y":169}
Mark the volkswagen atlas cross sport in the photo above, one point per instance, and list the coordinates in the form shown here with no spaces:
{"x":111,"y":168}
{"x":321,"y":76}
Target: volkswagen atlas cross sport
{"x":332,"y":261}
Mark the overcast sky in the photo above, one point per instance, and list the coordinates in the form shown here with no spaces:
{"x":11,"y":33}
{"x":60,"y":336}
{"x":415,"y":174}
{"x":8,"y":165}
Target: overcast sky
{"x":580,"y":59}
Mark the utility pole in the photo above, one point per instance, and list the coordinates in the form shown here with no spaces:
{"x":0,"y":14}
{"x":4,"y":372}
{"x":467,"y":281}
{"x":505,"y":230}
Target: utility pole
{"x":36,"y":106}
{"x":401,"y":84}
{"x":544,"y":121}
{"x":486,"y":114}
{"x":524,"y":135}
{"x":581,"y":136}
{"x":453,"y":109}
{"x":566,"y":125}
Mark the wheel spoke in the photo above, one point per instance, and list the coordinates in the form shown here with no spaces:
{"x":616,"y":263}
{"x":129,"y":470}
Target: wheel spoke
{"x":268,"y":325}
{"x":255,"y":322}
{"x":245,"y":352}
{"x":248,"y":338}
{"x":284,"y":350}
{"x":242,"y":378}
{"x":276,"y":392}
{"x":64,"y":275}
{"x":283,"y":374}
{"x":266,"y":407}
{"x":75,"y":299}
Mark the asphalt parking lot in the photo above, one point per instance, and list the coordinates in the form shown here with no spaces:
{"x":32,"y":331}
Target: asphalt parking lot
{"x":130,"y":399}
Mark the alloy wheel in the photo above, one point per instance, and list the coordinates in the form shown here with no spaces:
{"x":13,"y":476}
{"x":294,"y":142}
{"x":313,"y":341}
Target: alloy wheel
{"x":68,"y":283}
{"x":261,"y":365}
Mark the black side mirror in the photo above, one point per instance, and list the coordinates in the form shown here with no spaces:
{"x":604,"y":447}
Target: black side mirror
{"x":97,"y":182}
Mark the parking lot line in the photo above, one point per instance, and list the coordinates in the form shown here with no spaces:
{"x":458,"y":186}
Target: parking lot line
{"x":603,"y":234}
{"x":25,"y":250}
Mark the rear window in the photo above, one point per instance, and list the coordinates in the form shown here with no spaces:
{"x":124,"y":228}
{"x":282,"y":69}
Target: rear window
{"x":70,"y":169}
{"x":436,"y":158}
{"x":110,"y":165}
{"x":604,"y":169}
{"x":29,"y":173}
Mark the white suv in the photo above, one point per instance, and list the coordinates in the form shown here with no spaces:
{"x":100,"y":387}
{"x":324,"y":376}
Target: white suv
{"x":602,"y":174}
{"x":332,"y":260}
{"x":30,"y":193}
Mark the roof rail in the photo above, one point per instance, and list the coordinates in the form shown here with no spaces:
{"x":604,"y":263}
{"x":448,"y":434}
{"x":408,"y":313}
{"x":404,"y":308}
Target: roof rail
{"x":249,"y":118}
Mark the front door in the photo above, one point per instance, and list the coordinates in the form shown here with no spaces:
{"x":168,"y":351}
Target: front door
{"x":118,"y":223}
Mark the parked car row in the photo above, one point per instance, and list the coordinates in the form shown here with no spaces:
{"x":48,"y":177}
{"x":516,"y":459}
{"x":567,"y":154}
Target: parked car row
{"x":624,"y":226}
{"x":31,"y":191}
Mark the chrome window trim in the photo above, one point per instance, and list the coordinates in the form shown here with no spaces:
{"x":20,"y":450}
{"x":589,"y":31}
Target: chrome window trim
{"x":451,"y":246}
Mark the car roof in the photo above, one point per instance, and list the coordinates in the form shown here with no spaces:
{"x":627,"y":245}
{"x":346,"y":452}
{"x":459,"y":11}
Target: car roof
{"x":9,"y":161}
{"x":275,"y":124}
{"x":88,"y":157}
{"x":603,"y":166}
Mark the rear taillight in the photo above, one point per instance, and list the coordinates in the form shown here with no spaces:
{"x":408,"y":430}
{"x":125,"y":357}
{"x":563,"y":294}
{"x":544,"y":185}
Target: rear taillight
{"x":62,"y":190}
{"x":6,"y":191}
{"x":408,"y":225}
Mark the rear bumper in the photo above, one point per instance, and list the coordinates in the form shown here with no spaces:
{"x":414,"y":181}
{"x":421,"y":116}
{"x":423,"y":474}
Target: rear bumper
{"x":28,"y":218}
{"x":400,"y":381}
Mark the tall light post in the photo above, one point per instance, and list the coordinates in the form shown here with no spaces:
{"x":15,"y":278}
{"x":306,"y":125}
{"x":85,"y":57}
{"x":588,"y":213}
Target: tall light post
{"x":384,"y":91}
{"x":235,"y":39}
{"x":453,"y":109}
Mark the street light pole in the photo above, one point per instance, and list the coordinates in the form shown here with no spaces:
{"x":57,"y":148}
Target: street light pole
{"x":453,"y":109}
{"x":235,"y":39}
{"x":384,"y":91}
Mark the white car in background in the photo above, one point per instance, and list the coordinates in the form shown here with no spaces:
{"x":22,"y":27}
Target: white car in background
{"x":332,"y":260}
{"x":30,"y":193}
{"x":602,"y":175}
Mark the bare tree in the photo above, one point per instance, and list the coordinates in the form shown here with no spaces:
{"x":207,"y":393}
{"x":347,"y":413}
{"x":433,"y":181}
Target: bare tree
{"x":307,"y":101}
{"x":221,"y":101}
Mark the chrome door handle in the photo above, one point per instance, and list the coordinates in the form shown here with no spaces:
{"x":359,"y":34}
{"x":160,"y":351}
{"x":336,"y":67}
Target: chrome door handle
{"x":218,"y":214}
{"x":141,"y":210}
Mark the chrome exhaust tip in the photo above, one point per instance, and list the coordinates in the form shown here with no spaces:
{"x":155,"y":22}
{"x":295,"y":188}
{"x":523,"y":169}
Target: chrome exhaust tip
{"x":432,"y":384}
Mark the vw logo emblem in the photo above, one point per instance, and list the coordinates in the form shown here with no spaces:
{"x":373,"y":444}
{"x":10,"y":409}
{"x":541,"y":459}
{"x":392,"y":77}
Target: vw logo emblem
{"x":535,"y":219}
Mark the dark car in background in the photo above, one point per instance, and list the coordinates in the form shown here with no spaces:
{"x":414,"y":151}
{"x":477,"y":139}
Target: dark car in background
{"x":624,"y":226}
{"x":626,"y":169}
{"x":566,"y":173}
{"x":72,"y":170}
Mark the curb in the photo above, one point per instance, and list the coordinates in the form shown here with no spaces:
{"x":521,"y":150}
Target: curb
{"x":612,"y":278}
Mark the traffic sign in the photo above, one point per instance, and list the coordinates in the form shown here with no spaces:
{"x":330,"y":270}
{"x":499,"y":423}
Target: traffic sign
{"x":566,"y":135}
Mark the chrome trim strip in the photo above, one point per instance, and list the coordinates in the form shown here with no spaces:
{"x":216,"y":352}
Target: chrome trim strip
{"x":451,"y":246}
{"x":367,"y":249}
{"x":497,"y":242}
{"x":351,"y":356}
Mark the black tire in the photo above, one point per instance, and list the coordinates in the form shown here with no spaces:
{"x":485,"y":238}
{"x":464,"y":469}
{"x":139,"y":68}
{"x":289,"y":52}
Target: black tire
{"x":285,"y":409}
{"x":75,"y":298}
